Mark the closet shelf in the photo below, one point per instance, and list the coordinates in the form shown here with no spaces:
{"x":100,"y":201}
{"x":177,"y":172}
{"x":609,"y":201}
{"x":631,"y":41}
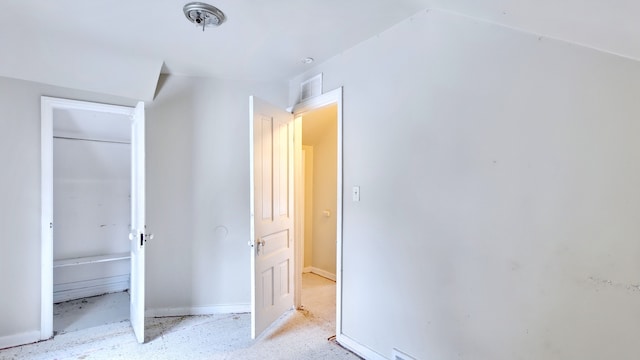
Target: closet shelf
{"x":91,"y":259}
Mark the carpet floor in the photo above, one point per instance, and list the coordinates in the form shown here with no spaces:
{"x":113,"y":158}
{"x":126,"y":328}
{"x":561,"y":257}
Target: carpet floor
{"x":298,"y":334}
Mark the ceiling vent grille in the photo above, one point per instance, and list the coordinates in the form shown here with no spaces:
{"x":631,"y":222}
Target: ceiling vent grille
{"x":311,"y":87}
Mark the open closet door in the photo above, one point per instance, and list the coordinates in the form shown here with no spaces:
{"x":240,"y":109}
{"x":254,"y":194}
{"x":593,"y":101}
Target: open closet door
{"x":272,"y":254}
{"x":138,"y":234}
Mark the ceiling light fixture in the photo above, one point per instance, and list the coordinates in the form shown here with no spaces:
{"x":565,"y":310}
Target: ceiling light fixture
{"x":203,"y":15}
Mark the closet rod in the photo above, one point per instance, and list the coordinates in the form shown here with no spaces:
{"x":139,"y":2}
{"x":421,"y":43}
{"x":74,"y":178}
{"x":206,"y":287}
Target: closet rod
{"x":94,"y":140}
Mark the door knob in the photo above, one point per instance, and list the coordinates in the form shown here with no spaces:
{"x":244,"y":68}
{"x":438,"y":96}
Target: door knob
{"x":259,"y":245}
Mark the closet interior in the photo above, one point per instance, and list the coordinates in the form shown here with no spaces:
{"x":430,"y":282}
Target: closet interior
{"x":91,"y":213}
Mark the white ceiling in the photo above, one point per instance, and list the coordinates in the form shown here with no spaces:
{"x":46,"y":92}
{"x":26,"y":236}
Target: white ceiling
{"x":608,"y":25}
{"x":125,"y":43}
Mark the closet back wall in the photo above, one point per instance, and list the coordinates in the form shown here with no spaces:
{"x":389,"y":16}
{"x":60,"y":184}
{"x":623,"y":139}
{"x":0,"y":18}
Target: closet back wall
{"x":91,"y":211}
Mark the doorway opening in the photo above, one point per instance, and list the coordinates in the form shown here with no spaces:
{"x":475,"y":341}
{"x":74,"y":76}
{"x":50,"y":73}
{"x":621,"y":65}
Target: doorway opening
{"x":91,"y":213}
{"x":318,"y":123}
{"x":89,"y":194}
{"x":317,"y":196}
{"x":277,"y":232}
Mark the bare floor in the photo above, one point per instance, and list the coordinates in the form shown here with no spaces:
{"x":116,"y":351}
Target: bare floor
{"x":89,"y":312}
{"x":301,"y":334}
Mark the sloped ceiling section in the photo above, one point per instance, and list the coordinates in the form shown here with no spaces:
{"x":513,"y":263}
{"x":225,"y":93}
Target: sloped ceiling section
{"x":34,"y":48}
{"x":612,"y":26}
{"x":85,"y":67}
{"x":119,"y":46}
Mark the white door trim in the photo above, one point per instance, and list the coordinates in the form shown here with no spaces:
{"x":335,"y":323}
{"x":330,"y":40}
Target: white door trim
{"x":329,"y":98}
{"x":47,"y":106}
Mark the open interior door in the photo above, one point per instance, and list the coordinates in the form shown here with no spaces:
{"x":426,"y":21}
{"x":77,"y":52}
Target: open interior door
{"x":272,"y":218}
{"x":138,"y":234}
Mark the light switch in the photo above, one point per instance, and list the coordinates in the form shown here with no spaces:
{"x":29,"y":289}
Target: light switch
{"x":356,"y":193}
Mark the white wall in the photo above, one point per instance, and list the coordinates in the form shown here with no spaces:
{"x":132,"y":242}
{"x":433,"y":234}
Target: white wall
{"x":197,"y":183}
{"x":91,"y":207}
{"x":91,"y":185}
{"x":499,"y":207}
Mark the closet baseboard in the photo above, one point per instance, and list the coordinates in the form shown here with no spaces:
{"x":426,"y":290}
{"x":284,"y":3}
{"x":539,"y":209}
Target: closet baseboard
{"x":200,"y":310}
{"x":87,"y":288}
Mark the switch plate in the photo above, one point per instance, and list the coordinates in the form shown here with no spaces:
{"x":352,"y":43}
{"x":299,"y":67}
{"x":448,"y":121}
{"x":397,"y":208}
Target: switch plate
{"x":356,"y":193}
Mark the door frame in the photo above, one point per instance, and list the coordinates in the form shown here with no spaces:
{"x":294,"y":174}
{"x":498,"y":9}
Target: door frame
{"x":47,"y":107}
{"x":333,"y":97}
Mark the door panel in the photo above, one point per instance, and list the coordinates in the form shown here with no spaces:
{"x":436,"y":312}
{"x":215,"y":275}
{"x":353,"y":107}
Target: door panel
{"x":272,"y":194}
{"x":266,"y":169}
{"x":138,"y":236}
{"x":274,"y":243}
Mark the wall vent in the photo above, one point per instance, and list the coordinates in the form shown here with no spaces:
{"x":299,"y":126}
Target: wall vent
{"x":399,"y":355}
{"x":310,"y":88}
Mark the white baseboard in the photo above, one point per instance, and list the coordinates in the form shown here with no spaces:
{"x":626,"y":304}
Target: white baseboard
{"x":359,"y":349}
{"x":307,"y":269}
{"x":87,"y":288}
{"x":322,"y":273}
{"x":19,"y":339}
{"x":199,"y":310}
